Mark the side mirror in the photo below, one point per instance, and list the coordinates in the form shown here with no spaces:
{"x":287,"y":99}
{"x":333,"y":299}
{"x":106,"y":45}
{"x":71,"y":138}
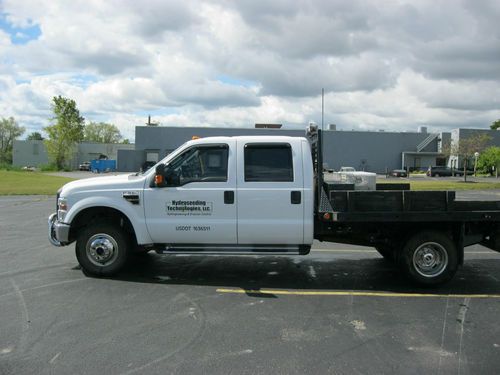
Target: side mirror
{"x":159,"y":175}
{"x":173,"y":178}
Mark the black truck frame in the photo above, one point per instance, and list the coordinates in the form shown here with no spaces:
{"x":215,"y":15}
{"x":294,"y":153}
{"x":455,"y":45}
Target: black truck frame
{"x":425,"y":232}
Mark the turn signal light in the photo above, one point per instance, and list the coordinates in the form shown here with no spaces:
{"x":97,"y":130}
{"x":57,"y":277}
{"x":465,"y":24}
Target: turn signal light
{"x":327,"y":216}
{"x":195,"y":137}
{"x":158,"y":179}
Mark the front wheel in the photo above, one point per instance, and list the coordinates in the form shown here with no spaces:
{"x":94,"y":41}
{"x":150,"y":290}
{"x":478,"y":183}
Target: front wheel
{"x":430,"y":258}
{"x":101,"y":249}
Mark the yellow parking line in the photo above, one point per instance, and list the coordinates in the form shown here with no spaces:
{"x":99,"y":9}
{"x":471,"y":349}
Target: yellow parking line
{"x":352,"y":293}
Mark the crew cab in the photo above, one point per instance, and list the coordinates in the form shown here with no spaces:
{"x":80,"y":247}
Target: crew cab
{"x":262,"y":195}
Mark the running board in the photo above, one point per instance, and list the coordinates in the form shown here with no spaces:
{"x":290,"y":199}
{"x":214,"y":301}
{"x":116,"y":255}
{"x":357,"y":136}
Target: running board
{"x":233,"y":250}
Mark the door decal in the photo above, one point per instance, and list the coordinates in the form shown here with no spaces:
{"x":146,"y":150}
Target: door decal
{"x":189,"y":208}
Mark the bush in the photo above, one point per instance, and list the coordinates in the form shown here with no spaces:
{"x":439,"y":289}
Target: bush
{"x":9,"y":167}
{"x":48,"y":168}
{"x":53,"y":168}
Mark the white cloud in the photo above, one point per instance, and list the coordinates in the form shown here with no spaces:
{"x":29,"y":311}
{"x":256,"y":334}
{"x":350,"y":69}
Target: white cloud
{"x":4,"y":40}
{"x":390,"y":65}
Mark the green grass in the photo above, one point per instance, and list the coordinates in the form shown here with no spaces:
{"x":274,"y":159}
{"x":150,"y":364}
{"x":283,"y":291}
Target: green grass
{"x":444,"y":185}
{"x":29,"y":183}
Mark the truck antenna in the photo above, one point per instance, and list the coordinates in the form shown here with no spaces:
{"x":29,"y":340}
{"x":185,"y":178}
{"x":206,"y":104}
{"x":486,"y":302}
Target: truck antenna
{"x":322,"y":108}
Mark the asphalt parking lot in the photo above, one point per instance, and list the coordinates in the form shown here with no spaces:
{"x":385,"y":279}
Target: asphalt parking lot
{"x":340,"y":310}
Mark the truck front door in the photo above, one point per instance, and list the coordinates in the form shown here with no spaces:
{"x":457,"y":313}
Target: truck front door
{"x":198,"y":203}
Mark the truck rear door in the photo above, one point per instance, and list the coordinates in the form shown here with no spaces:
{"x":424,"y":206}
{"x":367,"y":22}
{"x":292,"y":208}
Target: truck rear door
{"x":270,"y":196}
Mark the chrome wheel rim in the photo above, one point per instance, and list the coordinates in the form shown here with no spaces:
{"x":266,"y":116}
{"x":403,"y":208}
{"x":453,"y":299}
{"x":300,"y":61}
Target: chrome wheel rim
{"x":430,"y":259}
{"x":101,"y":249}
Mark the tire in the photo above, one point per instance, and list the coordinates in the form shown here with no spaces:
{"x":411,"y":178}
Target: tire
{"x":436,"y":175}
{"x":102,"y":249}
{"x":429,"y":258}
{"x":387,"y":252}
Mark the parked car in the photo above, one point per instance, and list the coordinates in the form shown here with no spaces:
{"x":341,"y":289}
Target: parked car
{"x":438,"y":171}
{"x":398,"y":173}
{"x":29,"y":168}
{"x":347,"y":169}
{"x":85,"y":166}
{"x":446,"y":171}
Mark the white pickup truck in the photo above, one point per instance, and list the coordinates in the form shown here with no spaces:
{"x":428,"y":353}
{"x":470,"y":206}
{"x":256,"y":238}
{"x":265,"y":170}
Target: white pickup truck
{"x":262,"y":195}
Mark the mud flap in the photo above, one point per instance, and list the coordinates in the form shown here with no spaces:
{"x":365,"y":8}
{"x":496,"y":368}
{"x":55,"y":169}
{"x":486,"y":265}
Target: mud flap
{"x":492,"y":241}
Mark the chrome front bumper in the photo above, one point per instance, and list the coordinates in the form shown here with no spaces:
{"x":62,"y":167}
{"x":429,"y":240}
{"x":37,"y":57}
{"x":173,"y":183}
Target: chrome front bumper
{"x":58,"y":232}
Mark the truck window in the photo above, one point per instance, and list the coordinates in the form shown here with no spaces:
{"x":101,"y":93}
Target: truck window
{"x":268,"y":162}
{"x":201,"y":164}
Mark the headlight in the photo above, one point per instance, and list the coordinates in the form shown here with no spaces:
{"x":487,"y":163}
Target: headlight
{"x":62,"y":208}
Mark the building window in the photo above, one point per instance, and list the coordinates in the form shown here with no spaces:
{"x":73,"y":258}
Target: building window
{"x":152,"y":157}
{"x":268,"y":162}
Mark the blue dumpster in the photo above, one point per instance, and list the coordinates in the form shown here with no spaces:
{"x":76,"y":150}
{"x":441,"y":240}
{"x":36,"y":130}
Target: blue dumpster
{"x":101,"y":166}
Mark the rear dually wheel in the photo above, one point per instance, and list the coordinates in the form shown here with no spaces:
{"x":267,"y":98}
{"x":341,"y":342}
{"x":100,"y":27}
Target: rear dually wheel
{"x":430,"y":258}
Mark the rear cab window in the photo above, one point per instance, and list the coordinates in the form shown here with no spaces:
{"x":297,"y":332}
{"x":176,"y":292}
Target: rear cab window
{"x":268,"y":162}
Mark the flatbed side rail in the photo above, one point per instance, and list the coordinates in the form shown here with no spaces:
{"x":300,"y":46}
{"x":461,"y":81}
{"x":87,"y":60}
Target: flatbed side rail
{"x":405,"y":201}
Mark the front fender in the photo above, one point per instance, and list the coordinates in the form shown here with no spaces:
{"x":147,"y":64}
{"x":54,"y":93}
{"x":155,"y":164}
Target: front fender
{"x":135,"y":214}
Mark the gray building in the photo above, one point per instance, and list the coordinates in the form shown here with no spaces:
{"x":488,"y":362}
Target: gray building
{"x":380,"y":151}
{"x":29,"y":153}
{"x":153,"y":143}
{"x":35,"y":153}
{"x":457,"y":134}
{"x":363,"y":150}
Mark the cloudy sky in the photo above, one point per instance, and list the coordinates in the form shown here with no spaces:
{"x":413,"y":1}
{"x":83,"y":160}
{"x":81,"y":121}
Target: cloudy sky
{"x":392,"y":65}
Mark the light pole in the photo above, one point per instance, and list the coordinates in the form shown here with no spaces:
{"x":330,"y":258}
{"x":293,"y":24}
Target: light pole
{"x":476,"y":155}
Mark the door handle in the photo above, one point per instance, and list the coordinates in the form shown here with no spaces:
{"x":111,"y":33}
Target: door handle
{"x":229,"y":197}
{"x":295,"y":197}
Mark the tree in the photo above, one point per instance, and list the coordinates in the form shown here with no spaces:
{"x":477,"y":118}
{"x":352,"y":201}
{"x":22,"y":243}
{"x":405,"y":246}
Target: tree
{"x":102,"y":132}
{"x":126,"y":141}
{"x":495,"y":125}
{"x":489,"y":160}
{"x":9,"y":131}
{"x":35,"y":136}
{"x":467,"y":147}
{"x":65,"y":132}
